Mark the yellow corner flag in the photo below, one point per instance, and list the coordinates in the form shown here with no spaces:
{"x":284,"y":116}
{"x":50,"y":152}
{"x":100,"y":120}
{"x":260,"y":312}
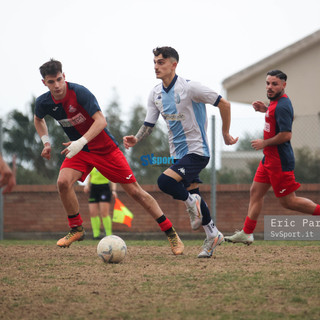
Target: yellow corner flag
{"x":121,"y":213}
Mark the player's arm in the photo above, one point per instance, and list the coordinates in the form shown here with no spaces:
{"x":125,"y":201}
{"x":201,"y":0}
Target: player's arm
{"x":73,"y":147}
{"x":130,"y":141}
{"x":42,"y":130}
{"x":279,"y":138}
{"x":259,"y":106}
{"x":284,"y":119}
{"x":225,"y":113}
{"x":114,"y":189}
{"x":87,"y":186}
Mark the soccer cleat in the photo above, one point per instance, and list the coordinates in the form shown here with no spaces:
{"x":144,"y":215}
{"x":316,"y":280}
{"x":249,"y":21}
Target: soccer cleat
{"x":195,"y":213}
{"x":240,"y":237}
{"x":75,"y":234}
{"x":176,"y":244}
{"x":210,"y":244}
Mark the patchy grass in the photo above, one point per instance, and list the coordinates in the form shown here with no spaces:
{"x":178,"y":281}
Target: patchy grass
{"x":267,"y":280}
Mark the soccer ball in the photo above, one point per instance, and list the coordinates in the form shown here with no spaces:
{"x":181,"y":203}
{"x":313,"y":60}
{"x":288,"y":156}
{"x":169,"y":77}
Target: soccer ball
{"x":112,"y":249}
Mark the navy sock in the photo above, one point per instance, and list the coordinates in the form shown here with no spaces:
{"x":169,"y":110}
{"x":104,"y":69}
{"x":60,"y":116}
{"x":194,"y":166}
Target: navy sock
{"x":170,"y":186}
{"x":206,"y":217}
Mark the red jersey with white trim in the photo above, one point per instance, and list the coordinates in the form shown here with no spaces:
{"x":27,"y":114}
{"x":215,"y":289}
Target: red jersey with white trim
{"x":74,"y":114}
{"x":279,"y":118}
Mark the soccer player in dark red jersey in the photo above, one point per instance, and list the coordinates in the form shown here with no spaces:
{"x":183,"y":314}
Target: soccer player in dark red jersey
{"x":277,"y":166}
{"x":91,"y":145}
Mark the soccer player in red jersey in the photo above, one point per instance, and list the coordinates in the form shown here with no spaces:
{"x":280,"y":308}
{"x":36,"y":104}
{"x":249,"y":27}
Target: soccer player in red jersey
{"x":277,"y":166}
{"x":91,"y":145}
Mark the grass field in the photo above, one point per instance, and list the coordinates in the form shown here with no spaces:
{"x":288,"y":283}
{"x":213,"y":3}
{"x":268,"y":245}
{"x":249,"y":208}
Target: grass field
{"x":267,"y":280}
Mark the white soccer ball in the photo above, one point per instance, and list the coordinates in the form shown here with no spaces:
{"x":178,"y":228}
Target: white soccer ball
{"x":112,"y":249}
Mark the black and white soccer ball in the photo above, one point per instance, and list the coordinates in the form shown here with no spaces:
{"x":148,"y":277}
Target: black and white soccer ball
{"x":112,"y":249}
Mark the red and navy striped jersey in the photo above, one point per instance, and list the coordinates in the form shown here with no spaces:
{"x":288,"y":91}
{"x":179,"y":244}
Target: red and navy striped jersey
{"x":74,"y":114}
{"x":279,"y":118}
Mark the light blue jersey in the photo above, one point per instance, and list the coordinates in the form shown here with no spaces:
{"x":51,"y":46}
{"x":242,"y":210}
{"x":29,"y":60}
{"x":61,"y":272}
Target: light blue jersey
{"x":182,"y":106}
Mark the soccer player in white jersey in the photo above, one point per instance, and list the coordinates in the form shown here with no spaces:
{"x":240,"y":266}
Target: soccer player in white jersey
{"x":182,"y":105}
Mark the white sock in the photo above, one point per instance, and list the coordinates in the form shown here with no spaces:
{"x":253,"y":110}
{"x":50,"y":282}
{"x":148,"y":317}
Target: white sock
{"x":211,"y":230}
{"x":190,"y":201}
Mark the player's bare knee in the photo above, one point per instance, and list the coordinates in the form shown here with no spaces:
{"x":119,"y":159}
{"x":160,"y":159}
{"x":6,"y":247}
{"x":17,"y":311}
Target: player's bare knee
{"x":63,"y":184}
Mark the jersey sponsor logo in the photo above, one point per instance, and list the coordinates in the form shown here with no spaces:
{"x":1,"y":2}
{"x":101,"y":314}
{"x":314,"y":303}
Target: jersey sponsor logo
{"x":72,"y":109}
{"x":72,"y":122}
{"x":182,"y":170}
{"x":267,"y":127}
{"x":173,"y":117}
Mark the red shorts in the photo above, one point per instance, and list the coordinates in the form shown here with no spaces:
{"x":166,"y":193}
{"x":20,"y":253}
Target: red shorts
{"x":113,"y":166}
{"x":282,"y":182}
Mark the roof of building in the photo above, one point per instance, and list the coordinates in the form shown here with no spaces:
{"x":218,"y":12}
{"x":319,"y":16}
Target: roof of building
{"x":288,"y":52}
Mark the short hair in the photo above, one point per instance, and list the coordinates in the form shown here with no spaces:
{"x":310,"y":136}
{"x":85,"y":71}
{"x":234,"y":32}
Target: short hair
{"x":167,"y":52}
{"x":51,"y":68}
{"x":277,"y":73}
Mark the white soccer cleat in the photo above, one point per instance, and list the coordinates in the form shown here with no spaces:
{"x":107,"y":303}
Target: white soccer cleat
{"x":209,"y":245}
{"x":195,"y":213}
{"x":240,"y":237}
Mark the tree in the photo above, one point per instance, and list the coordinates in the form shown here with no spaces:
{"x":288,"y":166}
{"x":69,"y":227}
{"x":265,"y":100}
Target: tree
{"x":22,"y":140}
{"x":141,"y":155}
{"x":115,"y":124}
{"x":307,"y":167}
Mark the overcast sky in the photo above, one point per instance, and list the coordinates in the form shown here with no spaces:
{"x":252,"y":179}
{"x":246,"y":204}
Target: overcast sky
{"x":107,"y":44}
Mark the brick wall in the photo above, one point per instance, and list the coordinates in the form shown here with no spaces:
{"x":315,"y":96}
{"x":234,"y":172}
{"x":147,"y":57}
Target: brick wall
{"x":37,"y":209}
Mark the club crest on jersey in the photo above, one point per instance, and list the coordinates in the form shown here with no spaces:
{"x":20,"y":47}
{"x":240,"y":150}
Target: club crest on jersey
{"x":182,"y":170}
{"x":158,"y":101}
{"x":72,"y":109}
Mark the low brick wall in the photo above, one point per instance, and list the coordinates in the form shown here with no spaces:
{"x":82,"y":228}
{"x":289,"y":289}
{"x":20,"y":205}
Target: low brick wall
{"x":37,"y":209}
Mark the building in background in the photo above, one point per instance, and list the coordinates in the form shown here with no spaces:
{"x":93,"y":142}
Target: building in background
{"x":301,"y":62}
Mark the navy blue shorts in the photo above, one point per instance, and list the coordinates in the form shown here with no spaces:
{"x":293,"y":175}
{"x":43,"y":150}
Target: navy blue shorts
{"x":100,"y":193}
{"x":189,"y":168}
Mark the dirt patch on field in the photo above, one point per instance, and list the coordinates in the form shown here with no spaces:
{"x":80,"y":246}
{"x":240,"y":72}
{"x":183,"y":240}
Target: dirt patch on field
{"x":239,"y":282}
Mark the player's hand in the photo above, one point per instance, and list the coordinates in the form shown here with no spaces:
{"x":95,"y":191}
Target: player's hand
{"x":74,"y":147}
{"x":259,"y":106}
{"x":46,"y":152}
{"x":129,"y":141}
{"x":229,"y":140}
{"x":257,"y":144}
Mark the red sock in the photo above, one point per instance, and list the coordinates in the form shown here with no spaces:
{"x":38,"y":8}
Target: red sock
{"x":164,"y":223}
{"x":75,"y":221}
{"x":317,"y":211}
{"x":249,"y":225}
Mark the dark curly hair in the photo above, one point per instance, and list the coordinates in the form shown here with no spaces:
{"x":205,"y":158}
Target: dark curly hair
{"x":51,"y":68}
{"x":277,"y":73}
{"x":167,"y":52}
